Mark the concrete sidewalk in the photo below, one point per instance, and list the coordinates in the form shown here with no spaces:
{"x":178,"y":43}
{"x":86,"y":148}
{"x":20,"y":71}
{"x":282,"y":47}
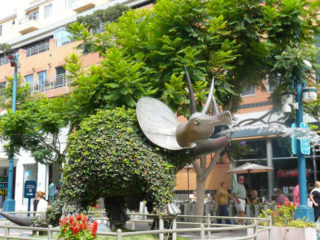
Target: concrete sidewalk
{"x":142,"y":226}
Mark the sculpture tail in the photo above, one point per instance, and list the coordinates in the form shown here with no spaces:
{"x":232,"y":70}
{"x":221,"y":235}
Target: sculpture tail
{"x":19,"y":220}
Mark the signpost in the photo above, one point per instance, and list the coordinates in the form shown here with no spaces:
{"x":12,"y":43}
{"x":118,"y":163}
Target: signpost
{"x":30,"y":187}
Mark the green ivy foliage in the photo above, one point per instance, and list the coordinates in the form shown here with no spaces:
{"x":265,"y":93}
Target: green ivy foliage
{"x":110,"y":14}
{"x":109,"y":156}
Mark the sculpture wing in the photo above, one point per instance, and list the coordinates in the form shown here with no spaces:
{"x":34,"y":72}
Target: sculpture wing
{"x":158,"y":122}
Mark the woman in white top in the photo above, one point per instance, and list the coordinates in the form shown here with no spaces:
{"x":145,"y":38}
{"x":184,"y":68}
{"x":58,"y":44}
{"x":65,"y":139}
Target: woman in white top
{"x":42,"y":204}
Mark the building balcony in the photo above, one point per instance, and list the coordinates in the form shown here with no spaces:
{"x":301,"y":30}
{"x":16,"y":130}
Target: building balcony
{"x":58,"y":81}
{"x":82,"y":5}
{"x":27,"y":25}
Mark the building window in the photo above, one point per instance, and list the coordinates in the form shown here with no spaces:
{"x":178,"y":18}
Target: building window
{"x":99,"y":29}
{"x":33,"y":16}
{"x":3,"y":85}
{"x":47,"y":10}
{"x":249,"y":91}
{"x":272,"y":86}
{"x":42,"y":80}
{"x":60,"y":79}
{"x":37,"y":48}
{"x":29,"y":80}
{"x":3,"y":59}
{"x":62,"y":36}
{"x":69,"y":4}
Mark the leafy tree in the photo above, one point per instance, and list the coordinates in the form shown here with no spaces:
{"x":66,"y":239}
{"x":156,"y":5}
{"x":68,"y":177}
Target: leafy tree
{"x":36,"y":124}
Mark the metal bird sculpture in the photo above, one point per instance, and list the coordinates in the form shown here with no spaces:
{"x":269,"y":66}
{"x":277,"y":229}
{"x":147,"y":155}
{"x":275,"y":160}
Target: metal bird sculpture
{"x":161,"y":126}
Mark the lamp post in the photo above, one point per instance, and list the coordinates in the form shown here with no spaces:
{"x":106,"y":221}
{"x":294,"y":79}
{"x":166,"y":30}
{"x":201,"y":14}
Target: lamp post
{"x":188,"y":167}
{"x":9,"y":203}
{"x":303,"y":210}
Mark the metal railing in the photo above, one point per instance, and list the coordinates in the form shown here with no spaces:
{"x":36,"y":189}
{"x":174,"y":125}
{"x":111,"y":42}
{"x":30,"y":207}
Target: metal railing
{"x":57,"y":81}
{"x":206,"y":228}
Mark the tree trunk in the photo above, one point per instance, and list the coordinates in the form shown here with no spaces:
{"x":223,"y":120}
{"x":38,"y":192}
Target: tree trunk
{"x":202,"y":172}
{"x":201,"y":184}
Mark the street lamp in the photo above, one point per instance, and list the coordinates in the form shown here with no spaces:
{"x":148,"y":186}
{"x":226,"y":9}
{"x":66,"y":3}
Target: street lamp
{"x":303,"y":210}
{"x":188,"y":167}
{"x":9,"y":203}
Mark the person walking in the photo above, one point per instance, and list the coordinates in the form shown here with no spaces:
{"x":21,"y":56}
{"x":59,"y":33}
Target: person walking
{"x":239,"y":193}
{"x":315,"y":198}
{"x":222,"y":196}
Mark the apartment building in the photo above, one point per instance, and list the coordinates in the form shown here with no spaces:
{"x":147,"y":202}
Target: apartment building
{"x":36,"y":31}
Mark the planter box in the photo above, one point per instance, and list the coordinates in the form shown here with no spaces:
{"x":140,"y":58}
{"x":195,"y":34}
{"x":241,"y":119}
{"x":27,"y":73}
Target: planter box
{"x":287,"y":233}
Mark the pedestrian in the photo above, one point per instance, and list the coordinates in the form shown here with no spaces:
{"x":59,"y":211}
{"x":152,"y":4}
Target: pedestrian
{"x":296,"y":196}
{"x":280,"y":198}
{"x":315,"y":198}
{"x":239,"y":193}
{"x":222,"y":196}
{"x":42,"y":204}
{"x":254,"y":199}
{"x":35,"y":205}
{"x":52,"y":192}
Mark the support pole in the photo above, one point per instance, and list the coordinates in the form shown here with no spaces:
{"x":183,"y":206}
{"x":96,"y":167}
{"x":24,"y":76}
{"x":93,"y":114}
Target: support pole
{"x":9,"y":203}
{"x":270,"y":164}
{"x":303,"y":210}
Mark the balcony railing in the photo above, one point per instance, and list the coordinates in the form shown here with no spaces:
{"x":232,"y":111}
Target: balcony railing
{"x":82,"y":5}
{"x":28,"y":24}
{"x":58,"y":81}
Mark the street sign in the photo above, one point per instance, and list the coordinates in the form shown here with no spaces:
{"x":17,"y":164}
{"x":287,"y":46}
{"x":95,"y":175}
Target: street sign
{"x":304,"y":142}
{"x":293,"y":140}
{"x":30,"y":187}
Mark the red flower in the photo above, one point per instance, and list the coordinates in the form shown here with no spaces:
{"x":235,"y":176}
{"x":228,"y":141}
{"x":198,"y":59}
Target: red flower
{"x":71,"y":219}
{"x":94,"y":227}
{"x":75,"y":230}
{"x":95,"y":207}
{"x":91,"y":203}
{"x":79,"y":217}
{"x":279,"y":206}
{"x":80,"y":226}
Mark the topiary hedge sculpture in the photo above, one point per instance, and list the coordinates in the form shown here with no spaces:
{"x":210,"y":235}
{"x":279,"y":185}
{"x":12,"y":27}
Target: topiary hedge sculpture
{"x":110,"y":157}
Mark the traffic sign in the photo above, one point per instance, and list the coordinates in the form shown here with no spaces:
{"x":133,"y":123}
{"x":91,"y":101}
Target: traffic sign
{"x":304,"y":142}
{"x":30,"y":187}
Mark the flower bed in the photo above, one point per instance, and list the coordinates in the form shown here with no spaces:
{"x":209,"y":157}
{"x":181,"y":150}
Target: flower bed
{"x":77,"y":228}
{"x":284,"y":226}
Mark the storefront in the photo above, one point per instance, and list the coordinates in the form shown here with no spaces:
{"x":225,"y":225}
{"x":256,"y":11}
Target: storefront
{"x":285,"y":174}
{"x":4,"y":165}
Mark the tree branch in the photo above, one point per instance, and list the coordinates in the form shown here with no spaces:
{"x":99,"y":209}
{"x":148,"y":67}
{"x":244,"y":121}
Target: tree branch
{"x":197,"y":167}
{"x":212,"y":163}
